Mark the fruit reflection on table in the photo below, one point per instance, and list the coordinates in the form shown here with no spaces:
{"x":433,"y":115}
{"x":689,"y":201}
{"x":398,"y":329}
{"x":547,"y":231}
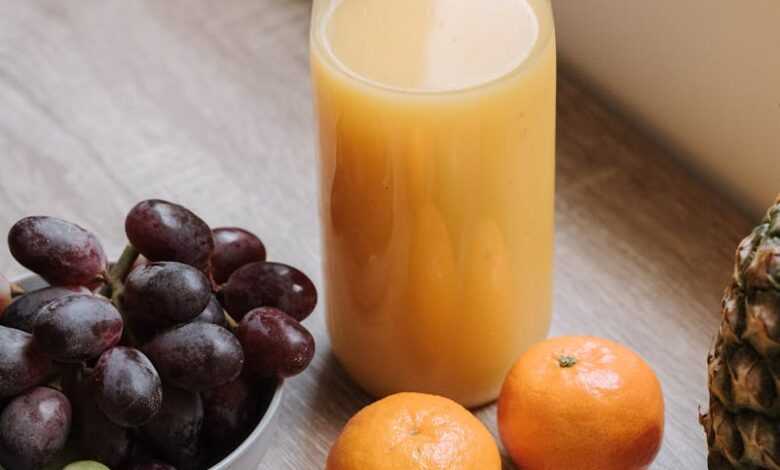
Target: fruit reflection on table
{"x":165,"y":359}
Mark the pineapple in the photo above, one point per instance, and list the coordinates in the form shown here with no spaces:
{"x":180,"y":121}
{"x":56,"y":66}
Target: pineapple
{"x":743,"y":420}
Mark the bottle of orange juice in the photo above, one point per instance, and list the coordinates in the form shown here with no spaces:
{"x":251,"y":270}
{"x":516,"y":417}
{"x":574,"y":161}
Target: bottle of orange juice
{"x":437,"y":151}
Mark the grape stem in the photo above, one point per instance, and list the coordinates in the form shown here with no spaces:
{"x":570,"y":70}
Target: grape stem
{"x":16,"y":290}
{"x":55,"y":383}
{"x":119,"y":271}
{"x":115,"y":285}
{"x":231,"y":322}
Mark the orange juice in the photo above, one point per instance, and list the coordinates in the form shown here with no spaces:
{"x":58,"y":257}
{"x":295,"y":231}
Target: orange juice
{"x":436,"y":139}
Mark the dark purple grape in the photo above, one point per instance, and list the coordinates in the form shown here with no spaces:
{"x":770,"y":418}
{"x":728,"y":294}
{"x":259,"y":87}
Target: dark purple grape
{"x":275,"y":344}
{"x":34,"y":427}
{"x":230,"y":412}
{"x":144,"y":456}
{"x":22,"y":363}
{"x":77,"y":327}
{"x":127,"y":387}
{"x":154,"y":465}
{"x":61,"y":252}
{"x":74,"y":384}
{"x":23,"y":311}
{"x":101,"y":439}
{"x":234,"y":247}
{"x":266,"y":284}
{"x":143,"y":332}
{"x":97,"y":437}
{"x":164,"y":231}
{"x":5,"y":294}
{"x":213,"y":313}
{"x":175,"y":430}
{"x":196,"y":356}
{"x":165,"y":293}
{"x":262,"y":393}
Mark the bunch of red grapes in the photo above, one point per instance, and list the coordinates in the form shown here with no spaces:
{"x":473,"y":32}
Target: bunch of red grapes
{"x":162,"y":361}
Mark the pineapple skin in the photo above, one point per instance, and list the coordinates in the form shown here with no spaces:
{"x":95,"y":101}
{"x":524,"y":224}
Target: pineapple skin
{"x":743,"y":420}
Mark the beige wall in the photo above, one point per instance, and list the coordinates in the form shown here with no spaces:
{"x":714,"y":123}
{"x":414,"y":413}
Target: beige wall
{"x":703,"y":74}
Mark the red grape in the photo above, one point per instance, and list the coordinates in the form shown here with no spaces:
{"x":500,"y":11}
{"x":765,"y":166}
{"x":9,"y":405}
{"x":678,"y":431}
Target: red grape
{"x":266,"y":284}
{"x":22,"y":363}
{"x":164,"y":231}
{"x":234,"y":247}
{"x":275,"y":344}
{"x":165,"y":293}
{"x":5,"y":294}
{"x":23,"y":311}
{"x":230,"y":412}
{"x":59,"y":251}
{"x":196,"y":356}
{"x":175,"y":430}
{"x":34,"y":427}
{"x":213,"y":313}
{"x":77,"y":327}
{"x":127,"y":387}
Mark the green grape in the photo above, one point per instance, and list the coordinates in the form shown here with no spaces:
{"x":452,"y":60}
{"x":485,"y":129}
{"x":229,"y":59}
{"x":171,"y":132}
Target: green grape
{"x":86,"y":465}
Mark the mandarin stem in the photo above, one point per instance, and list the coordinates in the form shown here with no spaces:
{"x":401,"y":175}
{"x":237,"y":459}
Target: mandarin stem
{"x":567,"y":361}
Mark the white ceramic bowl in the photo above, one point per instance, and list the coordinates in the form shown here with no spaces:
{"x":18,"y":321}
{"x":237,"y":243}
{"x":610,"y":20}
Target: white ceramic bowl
{"x":248,"y":455}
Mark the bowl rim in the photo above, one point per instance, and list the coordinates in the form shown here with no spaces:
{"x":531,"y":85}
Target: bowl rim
{"x":273,"y":408}
{"x":270,"y":413}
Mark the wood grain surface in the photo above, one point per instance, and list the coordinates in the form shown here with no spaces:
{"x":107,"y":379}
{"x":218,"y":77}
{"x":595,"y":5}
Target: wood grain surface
{"x":106,"y":102}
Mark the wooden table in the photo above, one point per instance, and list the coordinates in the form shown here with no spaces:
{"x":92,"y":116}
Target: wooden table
{"x":106,"y":102}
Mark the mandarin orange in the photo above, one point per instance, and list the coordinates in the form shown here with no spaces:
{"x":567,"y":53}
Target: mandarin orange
{"x":414,"y":431}
{"x":581,"y":403}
